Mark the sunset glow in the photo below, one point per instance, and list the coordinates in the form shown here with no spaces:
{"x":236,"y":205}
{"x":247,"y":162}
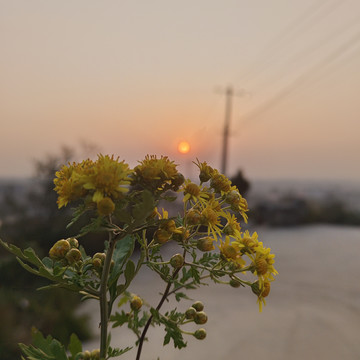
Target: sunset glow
{"x":184,"y":147}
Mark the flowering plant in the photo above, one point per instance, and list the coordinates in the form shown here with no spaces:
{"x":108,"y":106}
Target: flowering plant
{"x":124,"y":204}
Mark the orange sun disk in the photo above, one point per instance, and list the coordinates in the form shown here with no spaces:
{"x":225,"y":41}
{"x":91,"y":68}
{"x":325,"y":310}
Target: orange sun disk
{"x":184,"y":147}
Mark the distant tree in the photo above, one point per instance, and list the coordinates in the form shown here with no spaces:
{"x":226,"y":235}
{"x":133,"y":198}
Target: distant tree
{"x":30,"y":217}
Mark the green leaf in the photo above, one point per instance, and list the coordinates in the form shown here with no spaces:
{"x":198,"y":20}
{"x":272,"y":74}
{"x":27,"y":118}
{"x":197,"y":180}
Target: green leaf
{"x":117,"y":352}
{"x":119,"y":319}
{"x":27,"y":267}
{"x":96,"y":224}
{"x":129,"y":271}
{"x":145,"y":207}
{"x":123,"y":250}
{"x":75,"y":345}
{"x":77,"y":213}
{"x":32,"y":257}
{"x":180,"y":295}
{"x":43,"y":348}
{"x":123,"y":215}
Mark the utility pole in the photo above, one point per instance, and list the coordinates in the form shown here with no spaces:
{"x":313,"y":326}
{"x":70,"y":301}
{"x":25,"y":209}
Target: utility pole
{"x":228,"y":105}
{"x":229,"y":93}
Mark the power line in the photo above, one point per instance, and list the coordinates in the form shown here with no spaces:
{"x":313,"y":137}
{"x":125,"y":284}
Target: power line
{"x":304,"y":22}
{"x":302,"y":79}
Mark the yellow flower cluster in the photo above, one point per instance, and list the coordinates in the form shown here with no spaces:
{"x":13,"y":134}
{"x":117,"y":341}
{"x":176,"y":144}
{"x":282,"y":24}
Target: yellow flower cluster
{"x":212,"y":208}
{"x":102,"y":182}
{"x":157,"y":174}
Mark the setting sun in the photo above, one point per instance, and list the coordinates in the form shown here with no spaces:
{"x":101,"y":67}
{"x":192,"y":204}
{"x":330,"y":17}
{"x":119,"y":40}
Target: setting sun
{"x":184,"y":147}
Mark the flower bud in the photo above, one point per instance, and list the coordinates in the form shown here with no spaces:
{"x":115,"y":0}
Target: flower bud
{"x":136,"y":303}
{"x":190,"y":313}
{"x":220,"y":182}
{"x":59,"y":250}
{"x":73,"y":242}
{"x":177,"y":261}
{"x":105,"y":206}
{"x":87,"y":355}
{"x":255,"y":287}
{"x":200,"y":318}
{"x":233,"y":197}
{"x":205,"y":244}
{"x":73,"y":256}
{"x":80,"y":356}
{"x":161,"y":236}
{"x":198,"y":306}
{"x":235,"y":283}
{"x":200,"y":334}
{"x":97,"y":263}
{"x":100,"y":256}
{"x":193,"y":217}
{"x":95,"y":354}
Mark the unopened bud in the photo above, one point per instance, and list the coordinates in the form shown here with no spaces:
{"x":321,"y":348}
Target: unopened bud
{"x":200,"y":318}
{"x":73,"y":256}
{"x":97,"y":263}
{"x":100,"y":256}
{"x":59,"y":249}
{"x":193,"y":217}
{"x":177,"y":261}
{"x":136,"y":303}
{"x":200,"y":334}
{"x":205,"y":244}
{"x":161,"y":236}
{"x":95,"y":354}
{"x":80,"y":356}
{"x":73,"y":242}
{"x":235,"y":283}
{"x":198,"y":306}
{"x":255,"y":287}
{"x":190,"y":313}
{"x":105,"y":206}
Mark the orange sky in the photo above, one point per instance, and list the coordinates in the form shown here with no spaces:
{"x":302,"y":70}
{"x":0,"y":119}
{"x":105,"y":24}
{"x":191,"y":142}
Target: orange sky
{"x":139,"y":77}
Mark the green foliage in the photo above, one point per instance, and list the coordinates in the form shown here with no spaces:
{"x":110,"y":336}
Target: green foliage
{"x":44,"y":348}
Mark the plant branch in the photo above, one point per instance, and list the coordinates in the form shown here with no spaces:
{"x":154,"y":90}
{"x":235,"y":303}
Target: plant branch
{"x":104,"y":314}
{"x":161,"y":302}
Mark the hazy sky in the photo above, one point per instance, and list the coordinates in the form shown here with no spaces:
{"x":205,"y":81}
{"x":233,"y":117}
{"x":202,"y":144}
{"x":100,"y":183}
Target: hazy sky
{"x":136,"y":77}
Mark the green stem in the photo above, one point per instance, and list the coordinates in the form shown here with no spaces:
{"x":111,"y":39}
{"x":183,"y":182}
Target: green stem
{"x":104,"y":313}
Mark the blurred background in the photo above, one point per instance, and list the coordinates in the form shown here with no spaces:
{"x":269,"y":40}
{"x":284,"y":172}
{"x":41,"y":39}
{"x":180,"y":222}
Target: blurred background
{"x":265,"y":90}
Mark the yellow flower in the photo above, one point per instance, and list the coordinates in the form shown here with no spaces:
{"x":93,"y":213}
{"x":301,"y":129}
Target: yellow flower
{"x":220,"y":183}
{"x":193,"y":192}
{"x":108,"y":177}
{"x":250,"y":242}
{"x":68,"y":185}
{"x":263,"y":263}
{"x":237,"y":202}
{"x":231,"y":251}
{"x":232,"y":228}
{"x":262,"y":291}
{"x":157,"y":173}
{"x":211,"y":219}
